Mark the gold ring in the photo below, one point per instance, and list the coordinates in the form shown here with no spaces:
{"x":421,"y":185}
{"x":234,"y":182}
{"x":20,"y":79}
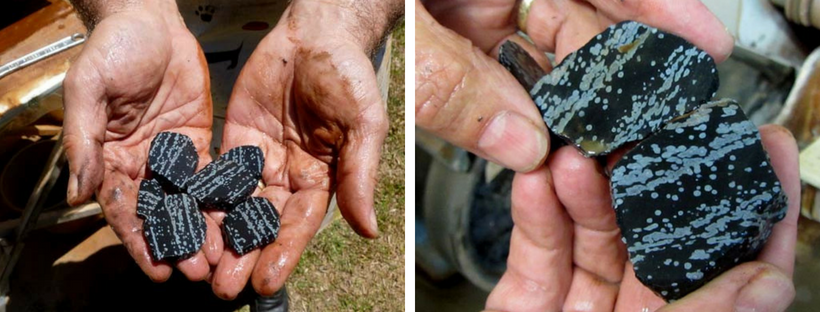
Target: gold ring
{"x":523,"y":13}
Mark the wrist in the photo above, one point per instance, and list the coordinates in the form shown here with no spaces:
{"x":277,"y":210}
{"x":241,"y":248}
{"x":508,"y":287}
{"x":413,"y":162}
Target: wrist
{"x":93,"y":12}
{"x":364,"y":23}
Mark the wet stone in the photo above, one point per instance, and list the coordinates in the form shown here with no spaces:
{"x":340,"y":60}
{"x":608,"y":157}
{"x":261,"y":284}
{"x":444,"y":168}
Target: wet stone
{"x":696,"y":199}
{"x":172,"y":159}
{"x":251,"y":224}
{"x":222,"y":184}
{"x":149,"y":197}
{"x":176,"y":228}
{"x":623,"y":85}
{"x":249,"y":156}
{"x":520,"y":64}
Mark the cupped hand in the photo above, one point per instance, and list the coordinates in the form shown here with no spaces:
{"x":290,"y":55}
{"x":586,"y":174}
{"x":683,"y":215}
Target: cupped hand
{"x":308,"y":98}
{"x":140,"y":73}
{"x":464,"y":96}
{"x":566,"y":252}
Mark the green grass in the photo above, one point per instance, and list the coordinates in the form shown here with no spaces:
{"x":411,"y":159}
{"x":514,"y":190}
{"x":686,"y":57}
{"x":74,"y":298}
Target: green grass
{"x":342,"y":271}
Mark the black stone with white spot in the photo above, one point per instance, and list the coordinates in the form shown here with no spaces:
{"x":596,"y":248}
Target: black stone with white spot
{"x":251,"y":224}
{"x":176,"y":228}
{"x":623,"y":85}
{"x":696,"y":199}
{"x":222,"y":184}
{"x":172,"y":159}
{"x":149,"y":197}
{"x":248,"y":155}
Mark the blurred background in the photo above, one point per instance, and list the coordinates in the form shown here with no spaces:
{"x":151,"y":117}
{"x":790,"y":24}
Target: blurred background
{"x":59,"y":258}
{"x":463,"y":221}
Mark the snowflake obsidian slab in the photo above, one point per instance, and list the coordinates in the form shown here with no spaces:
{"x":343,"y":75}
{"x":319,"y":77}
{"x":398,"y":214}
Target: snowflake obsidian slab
{"x":222,"y":184}
{"x":249,"y":156}
{"x":251,"y":224}
{"x":696,"y":199}
{"x":149,"y":197}
{"x":172,"y":158}
{"x":176,"y":228}
{"x":623,"y":85}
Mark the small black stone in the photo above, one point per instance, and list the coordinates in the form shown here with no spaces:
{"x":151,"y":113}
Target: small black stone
{"x":222,"y":184}
{"x":149,"y":197}
{"x":622,"y":86}
{"x":249,"y":156}
{"x":696,"y":199}
{"x":520,"y":64}
{"x":176,"y":228}
{"x":172,"y":159}
{"x":251,"y":224}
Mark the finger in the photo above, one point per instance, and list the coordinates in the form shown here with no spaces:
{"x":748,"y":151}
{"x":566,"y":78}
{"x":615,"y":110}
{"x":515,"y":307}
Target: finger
{"x":783,"y":153}
{"x":356,"y":176}
{"x":302,"y":216}
{"x":634,"y":296}
{"x":590,"y":293}
{"x":565,"y":26}
{"x":484,"y":23}
{"x":232,"y":273}
{"x":690,"y":19}
{"x":584,"y":191}
{"x":84,"y":130}
{"x":118,"y":198}
{"x":752,"y":286}
{"x":195,"y":268}
{"x":470,"y":100}
{"x":539,"y":266}
{"x":213,"y":241}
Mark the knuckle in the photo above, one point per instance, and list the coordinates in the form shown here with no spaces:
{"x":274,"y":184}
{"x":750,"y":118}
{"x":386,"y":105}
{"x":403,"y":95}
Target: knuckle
{"x":437,"y":89}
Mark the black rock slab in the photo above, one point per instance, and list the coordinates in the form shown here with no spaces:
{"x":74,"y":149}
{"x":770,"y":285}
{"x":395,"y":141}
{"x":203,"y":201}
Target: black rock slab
{"x":222,"y":184}
{"x":172,"y":159}
{"x":520,"y":64}
{"x":623,"y":85}
{"x":249,"y":156}
{"x":176,"y":228}
{"x":696,"y":199}
{"x":149,"y":197}
{"x":251,"y":224}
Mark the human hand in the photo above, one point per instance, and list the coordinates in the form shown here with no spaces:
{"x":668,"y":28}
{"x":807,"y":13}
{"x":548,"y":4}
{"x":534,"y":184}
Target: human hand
{"x":308,"y":98}
{"x":566,"y":251}
{"x":140,"y":73}
{"x":464,"y":96}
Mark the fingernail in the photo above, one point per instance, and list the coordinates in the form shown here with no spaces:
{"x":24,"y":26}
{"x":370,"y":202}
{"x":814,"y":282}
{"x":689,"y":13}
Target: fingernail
{"x":71,"y":194}
{"x":374,"y":224}
{"x":769,"y":291}
{"x":514,"y":142}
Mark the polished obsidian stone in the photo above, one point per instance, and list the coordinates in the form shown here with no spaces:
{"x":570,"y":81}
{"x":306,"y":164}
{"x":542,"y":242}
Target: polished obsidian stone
{"x":176,"y":228}
{"x":623,"y":85}
{"x":249,"y":156}
{"x":696,"y":199}
{"x":251,"y":224}
{"x":222,"y":184}
{"x":520,"y":64}
{"x":149,"y":197}
{"x":172,"y":159}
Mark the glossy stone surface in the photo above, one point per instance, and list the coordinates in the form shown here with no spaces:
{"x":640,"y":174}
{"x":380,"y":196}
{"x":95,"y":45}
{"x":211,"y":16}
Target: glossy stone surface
{"x":253,"y":223}
{"x":623,"y":85}
{"x":172,"y":159}
{"x":176,"y":228}
{"x":149,"y":197}
{"x":222,"y":184}
{"x":696,"y":199}
{"x":249,"y":156}
{"x":520,"y":64}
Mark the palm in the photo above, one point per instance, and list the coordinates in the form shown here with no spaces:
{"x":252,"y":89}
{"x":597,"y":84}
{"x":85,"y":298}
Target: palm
{"x":300,"y":105}
{"x":147,"y":77}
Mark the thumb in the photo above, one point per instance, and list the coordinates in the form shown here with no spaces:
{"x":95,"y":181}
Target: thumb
{"x":468,"y":99}
{"x":753,"y":286}
{"x":84,"y":131}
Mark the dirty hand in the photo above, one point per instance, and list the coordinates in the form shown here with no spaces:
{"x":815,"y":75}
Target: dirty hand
{"x":140,"y":73}
{"x":308,"y":98}
{"x":566,"y":251}
{"x":464,"y":96}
